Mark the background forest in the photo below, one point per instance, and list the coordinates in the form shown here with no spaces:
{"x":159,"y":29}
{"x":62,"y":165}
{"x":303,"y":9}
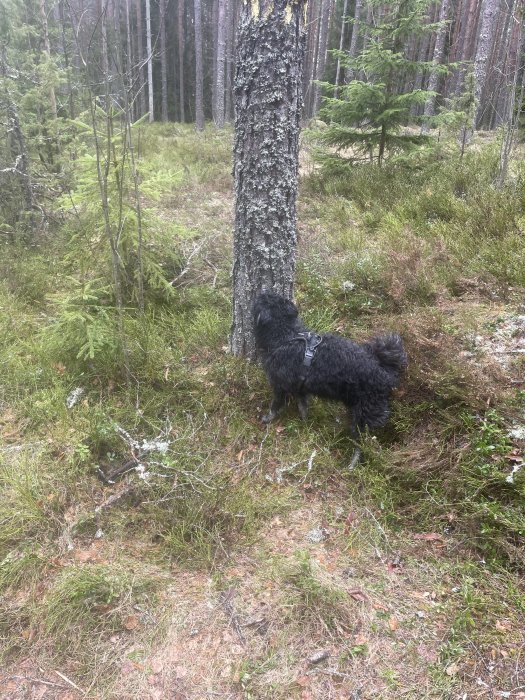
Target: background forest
{"x":156,"y":540}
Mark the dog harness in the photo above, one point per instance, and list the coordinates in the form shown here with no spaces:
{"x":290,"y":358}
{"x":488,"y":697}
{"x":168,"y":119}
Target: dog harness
{"x":311,"y":343}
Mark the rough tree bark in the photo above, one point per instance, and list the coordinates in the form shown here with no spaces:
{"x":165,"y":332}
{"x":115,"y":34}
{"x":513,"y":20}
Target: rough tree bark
{"x":437,"y":59}
{"x":199,"y":77}
{"x":268,"y":98}
{"x":485,"y":40}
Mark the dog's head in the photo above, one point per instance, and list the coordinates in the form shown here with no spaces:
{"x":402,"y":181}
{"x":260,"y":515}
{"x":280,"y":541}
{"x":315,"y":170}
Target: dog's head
{"x":269,"y":308}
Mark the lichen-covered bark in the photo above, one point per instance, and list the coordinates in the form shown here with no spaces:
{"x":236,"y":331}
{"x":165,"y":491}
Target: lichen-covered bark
{"x":485,"y":41}
{"x":268,"y":100}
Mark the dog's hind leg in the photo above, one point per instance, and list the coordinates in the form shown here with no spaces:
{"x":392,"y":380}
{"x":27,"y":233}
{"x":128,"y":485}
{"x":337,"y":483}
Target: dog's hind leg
{"x":277,"y":405}
{"x":355,"y":434}
{"x":303,"y":403}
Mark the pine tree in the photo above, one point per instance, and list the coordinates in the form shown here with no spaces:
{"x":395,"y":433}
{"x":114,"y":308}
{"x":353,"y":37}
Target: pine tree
{"x":366,"y":120}
{"x":268,"y":97}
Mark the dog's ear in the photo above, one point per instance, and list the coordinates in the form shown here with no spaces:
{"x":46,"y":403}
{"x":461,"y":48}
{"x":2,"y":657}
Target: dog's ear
{"x":291,"y":309}
{"x":262,"y":316}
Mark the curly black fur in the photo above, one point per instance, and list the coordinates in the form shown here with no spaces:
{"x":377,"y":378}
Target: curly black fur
{"x":362,"y":376}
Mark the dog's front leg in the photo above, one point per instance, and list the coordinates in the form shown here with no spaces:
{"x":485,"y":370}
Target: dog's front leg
{"x":303,"y":403}
{"x":276,"y":406}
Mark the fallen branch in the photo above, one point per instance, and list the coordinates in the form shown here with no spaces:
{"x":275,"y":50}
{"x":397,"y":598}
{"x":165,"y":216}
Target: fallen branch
{"x":225,"y":600}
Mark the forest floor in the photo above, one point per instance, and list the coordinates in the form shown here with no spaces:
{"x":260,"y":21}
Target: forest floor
{"x":243,"y":561}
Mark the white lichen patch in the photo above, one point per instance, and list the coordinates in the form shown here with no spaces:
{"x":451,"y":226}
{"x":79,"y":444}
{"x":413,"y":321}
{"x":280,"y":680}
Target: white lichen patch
{"x":74,"y":397}
{"x":504,"y":341}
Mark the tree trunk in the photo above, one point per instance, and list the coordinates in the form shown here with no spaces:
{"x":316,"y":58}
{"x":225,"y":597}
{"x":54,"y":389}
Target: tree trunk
{"x":230,"y":41}
{"x":140,"y":56}
{"x":268,"y":97}
{"x":341,"y":44}
{"x":199,"y":77}
{"x":180,"y":36}
{"x":356,"y":28}
{"x":321,"y":52}
{"x":151,"y":115}
{"x":67,"y":61}
{"x":163,"y":61}
{"x":47,"y":50}
{"x":512,"y":114}
{"x":439,"y":53}
{"x":485,"y":41}
{"x":218,"y":117}
{"x":311,"y":56}
{"x":17,"y":146}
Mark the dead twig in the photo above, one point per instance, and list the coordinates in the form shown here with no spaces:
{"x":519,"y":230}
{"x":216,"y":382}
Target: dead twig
{"x":225,"y":601}
{"x":69,"y":681}
{"x":29,"y":679}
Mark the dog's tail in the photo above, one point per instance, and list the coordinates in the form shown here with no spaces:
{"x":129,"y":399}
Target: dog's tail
{"x":390,"y":352}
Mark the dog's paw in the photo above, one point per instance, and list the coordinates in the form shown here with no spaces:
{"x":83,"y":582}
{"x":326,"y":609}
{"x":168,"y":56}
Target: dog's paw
{"x":267,"y":418}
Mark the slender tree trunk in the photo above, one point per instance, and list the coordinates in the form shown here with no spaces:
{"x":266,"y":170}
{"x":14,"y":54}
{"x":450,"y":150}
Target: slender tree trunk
{"x":163,"y":60}
{"x":368,"y":24}
{"x":130,"y":111}
{"x":199,"y":76}
{"x":67,"y":62}
{"x":151,"y":95}
{"x":321,"y":52}
{"x":47,"y":51}
{"x":356,"y":29}
{"x":180,"y":36}
{"x":311,"y":56}
{"x":218,"y":117}
{"x":341,"y":44}
{"x":140,"y":56}
{"x":501,"y":70}
{"x":17,"y":146}
{"x":437,"y":60}
{"x":511,"y":117}
{"x":230,"y":39}
{"x":485,"y":41}
{"x":268,"y":96}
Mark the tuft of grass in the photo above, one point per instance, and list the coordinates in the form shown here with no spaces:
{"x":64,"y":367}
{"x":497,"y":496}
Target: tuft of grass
{"x":308,"y":600}
{"x":92,"y":598}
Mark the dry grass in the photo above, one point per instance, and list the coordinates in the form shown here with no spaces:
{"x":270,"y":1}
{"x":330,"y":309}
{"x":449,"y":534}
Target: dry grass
{"x":252,"y":549}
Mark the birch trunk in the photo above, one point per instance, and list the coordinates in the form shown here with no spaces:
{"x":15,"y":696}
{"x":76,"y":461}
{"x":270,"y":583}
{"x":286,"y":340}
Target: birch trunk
{"x":220,"y":64}
{"x":268,"y":97}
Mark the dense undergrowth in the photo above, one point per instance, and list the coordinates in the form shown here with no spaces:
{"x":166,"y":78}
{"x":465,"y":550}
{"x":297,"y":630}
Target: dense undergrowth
{"x":431,"y":250}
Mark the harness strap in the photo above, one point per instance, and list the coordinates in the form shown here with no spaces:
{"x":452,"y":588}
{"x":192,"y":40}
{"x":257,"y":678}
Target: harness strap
{"x":311,"y":341}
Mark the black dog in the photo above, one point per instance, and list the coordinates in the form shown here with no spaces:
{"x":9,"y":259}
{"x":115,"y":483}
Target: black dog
{"x":299,"y":363}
